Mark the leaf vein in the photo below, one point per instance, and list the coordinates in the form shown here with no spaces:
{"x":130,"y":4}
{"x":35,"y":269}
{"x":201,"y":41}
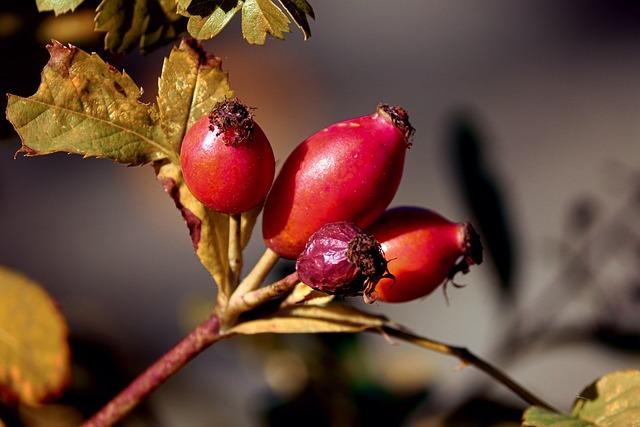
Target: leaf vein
{"x":148,"y":140}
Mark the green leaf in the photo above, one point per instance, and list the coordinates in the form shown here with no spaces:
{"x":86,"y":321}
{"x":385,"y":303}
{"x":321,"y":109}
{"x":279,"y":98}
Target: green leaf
{"x":34,"y":354}
{"x":262,"y":17}
{"x":85,"y":106}
{"x":209,"y":26}
{"x":298,"y":10}
{"x":146,"y":23}
{"x":312,"y":319}
{"x":612,"y":401}
{"x":540,"y":417}
{"x":58,"y":6}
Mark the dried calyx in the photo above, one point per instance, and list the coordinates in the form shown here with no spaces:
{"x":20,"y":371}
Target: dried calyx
{"x":400,"y":119}
{"x":233,"y":119}
{"x":472,"y":250}
{"x":366,"y":254}
{"x":340,"y":258}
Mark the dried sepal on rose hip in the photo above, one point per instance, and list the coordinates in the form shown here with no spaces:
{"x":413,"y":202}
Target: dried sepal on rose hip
{"x":226,"y":159}
{"x":348,"y":171}
{"x":425,"y":249}
{"x":341,"y":258}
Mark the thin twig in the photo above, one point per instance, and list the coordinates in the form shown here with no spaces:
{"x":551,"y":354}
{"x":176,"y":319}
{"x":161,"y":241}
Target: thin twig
{"x":207,"y":333}
{"x":259,"y":272}
{"x":468,"y":358}
{"x":253,"y":299}
{"x":235,"y":249}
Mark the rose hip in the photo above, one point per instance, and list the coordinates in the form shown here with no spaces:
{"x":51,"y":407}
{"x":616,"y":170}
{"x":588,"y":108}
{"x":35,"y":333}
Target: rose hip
{"x":424,"y":250}
{"x":226,"y":159}
{"x":340,"y":258}
{"x":348,"y":171}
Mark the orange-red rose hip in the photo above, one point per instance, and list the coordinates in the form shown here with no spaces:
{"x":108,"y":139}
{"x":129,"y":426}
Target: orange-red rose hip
{"x":424,"y":250}
{"x":226,"y":159}
{"x":349,"y":171}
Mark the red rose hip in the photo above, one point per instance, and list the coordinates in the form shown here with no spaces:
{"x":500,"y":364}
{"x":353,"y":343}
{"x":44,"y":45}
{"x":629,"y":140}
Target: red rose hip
{"x":349,"y":171}
{"x":226,"y":159}
{"x":424,"y":250}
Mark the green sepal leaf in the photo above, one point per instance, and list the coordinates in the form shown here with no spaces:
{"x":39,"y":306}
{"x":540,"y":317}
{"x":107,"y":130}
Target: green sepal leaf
{"x":312,"y":319}
{"x":85,"y":106}
{"x":34,"y":353}
{"x":144,"y":23}
{"x":58,"y":6}
{"x":262,"y":17}
{"x":298,"y":10}
{"x":612,"y":401}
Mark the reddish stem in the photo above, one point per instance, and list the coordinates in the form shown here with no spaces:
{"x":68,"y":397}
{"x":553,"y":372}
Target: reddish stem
{"x":207,"y":333}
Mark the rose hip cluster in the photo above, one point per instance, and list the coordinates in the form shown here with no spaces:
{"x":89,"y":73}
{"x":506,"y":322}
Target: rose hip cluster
{"x":326,"y":208}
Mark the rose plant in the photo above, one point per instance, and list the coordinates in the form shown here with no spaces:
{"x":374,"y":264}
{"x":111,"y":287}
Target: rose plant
{"x":326,"y":209}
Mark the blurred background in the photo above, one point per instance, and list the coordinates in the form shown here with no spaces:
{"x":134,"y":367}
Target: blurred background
{"x":527,"y":117}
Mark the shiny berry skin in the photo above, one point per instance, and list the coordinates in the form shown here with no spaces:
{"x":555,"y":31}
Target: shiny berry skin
{"x":348,"y":171}
{"x":424,"y":250}
{"x":340,"y":258}
{"x":226,"y":159}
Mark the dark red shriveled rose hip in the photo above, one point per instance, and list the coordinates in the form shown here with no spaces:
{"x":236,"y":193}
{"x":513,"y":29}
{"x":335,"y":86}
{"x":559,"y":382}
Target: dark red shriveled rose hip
{"x":424,"y":250}
{"x":226,"y":159}
{"x":348,"y":171}
{"x":340,"y":258}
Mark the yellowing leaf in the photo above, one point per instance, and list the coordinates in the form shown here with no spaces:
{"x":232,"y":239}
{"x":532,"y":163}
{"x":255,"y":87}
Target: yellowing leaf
{"x":34,"y":355}
{"x":85,"y":106}
{"x":298,"y":10}
{"x":305,"y":295}
{"x":209,"y":230}
{"x":311,"y":319}
{"x":612,"y":401}
{"x":259,"y":17}
{"x":191,"y":84}
{"x":57,"y":6}
{"x":50,"y":416}
{"x":262,"y":17}
{"x":146,"y":23}
{"x":540,"y":417}
{"x":206,"y":27}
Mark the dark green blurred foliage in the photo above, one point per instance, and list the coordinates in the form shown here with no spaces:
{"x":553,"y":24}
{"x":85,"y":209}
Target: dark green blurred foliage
{"x":482,"y":193}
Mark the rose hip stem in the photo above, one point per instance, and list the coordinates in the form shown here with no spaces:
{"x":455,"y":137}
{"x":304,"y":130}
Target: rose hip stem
{"x":206,"y":334}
